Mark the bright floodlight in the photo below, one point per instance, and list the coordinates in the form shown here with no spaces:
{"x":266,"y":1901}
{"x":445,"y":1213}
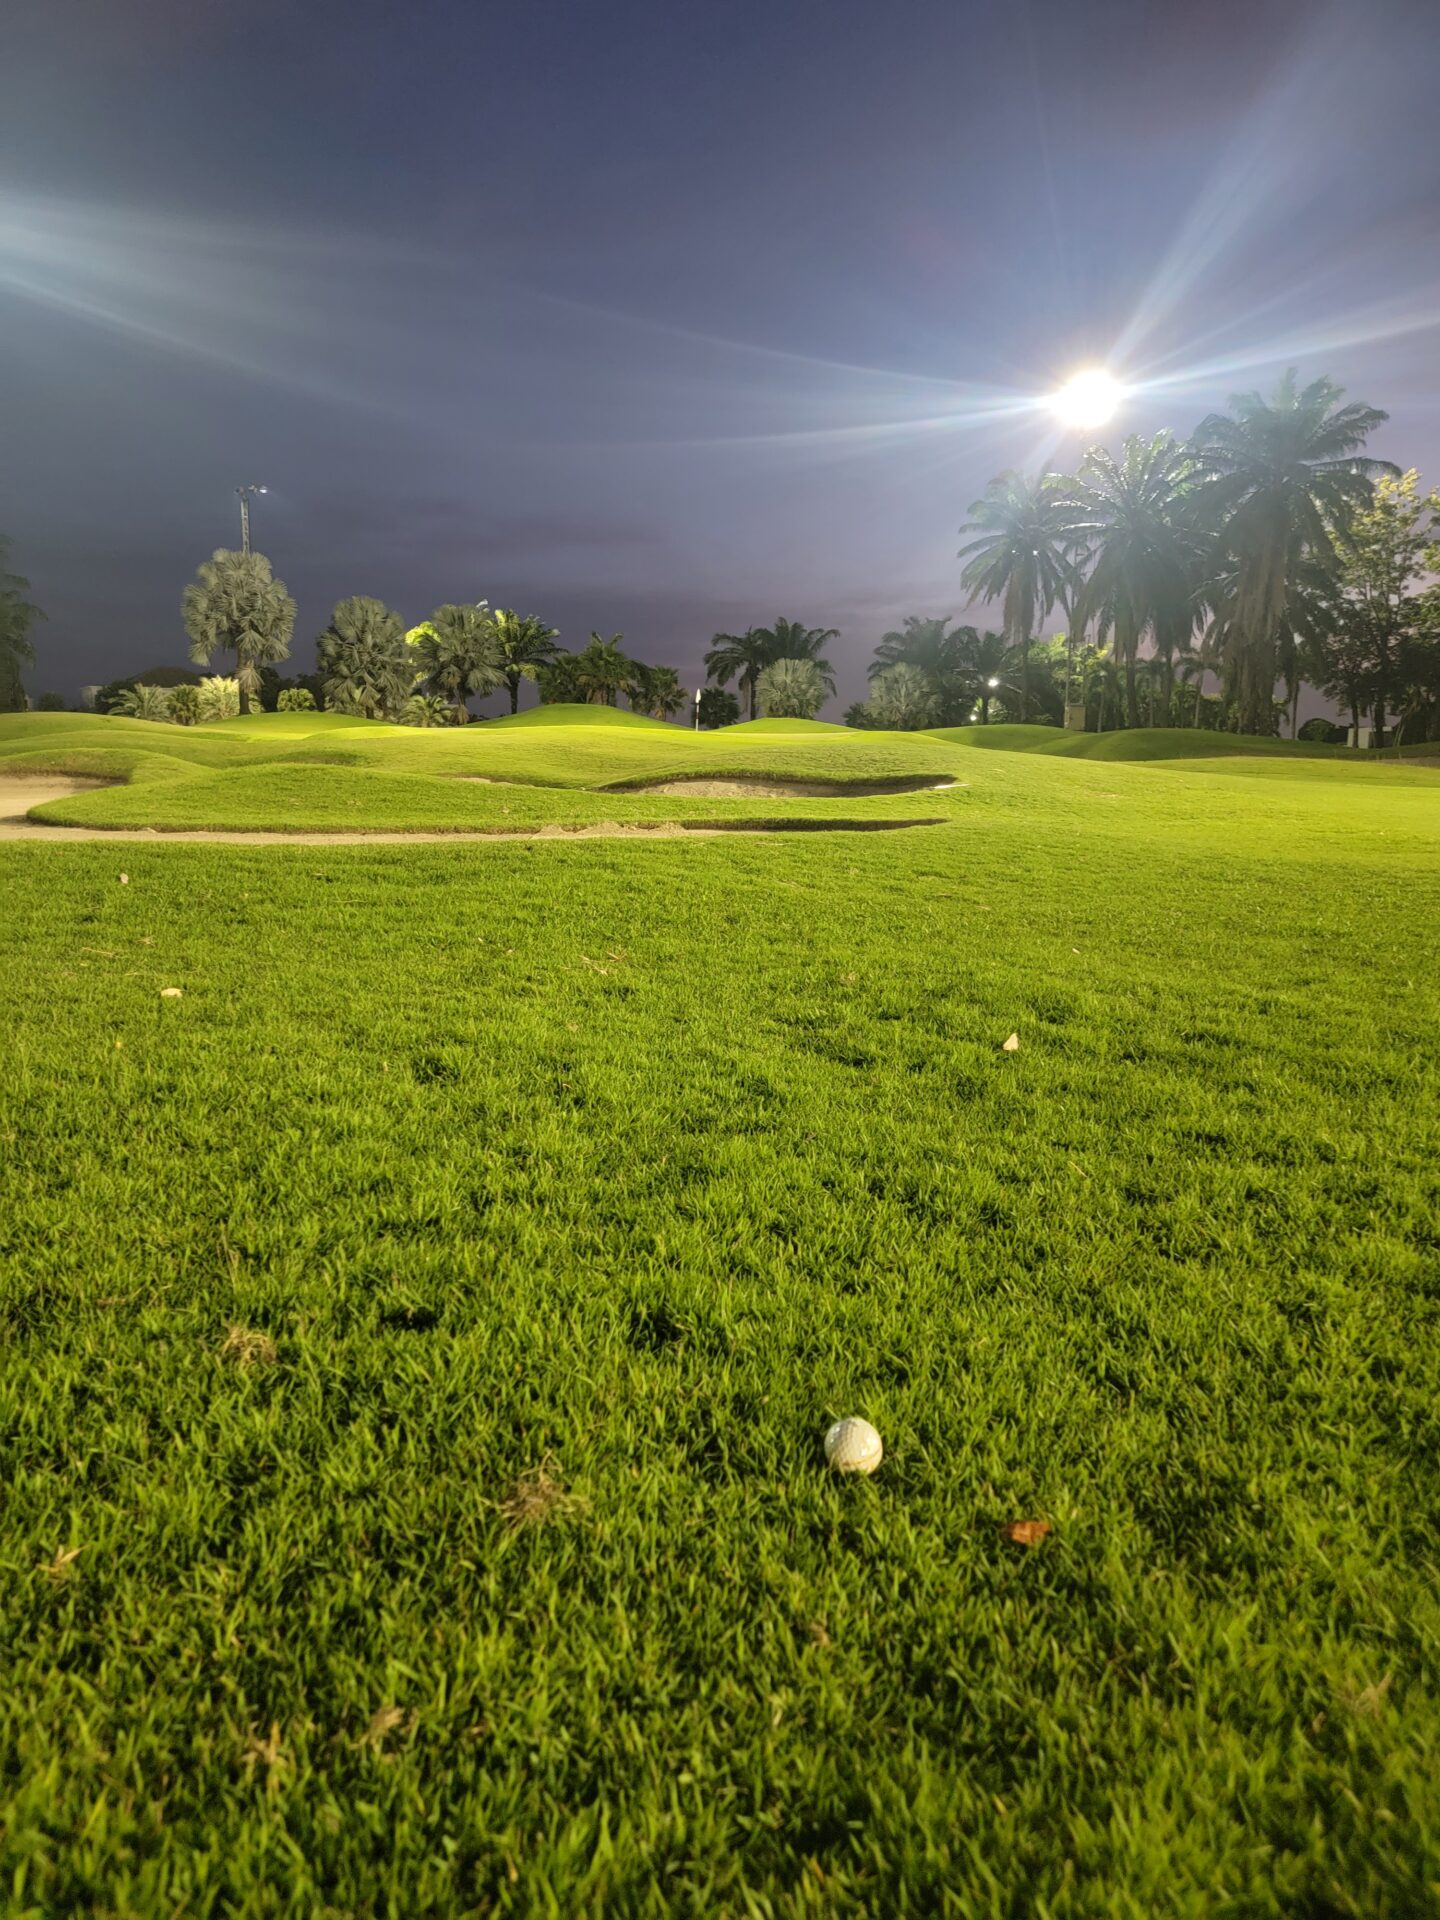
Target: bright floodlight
{"x":1088,"y":399}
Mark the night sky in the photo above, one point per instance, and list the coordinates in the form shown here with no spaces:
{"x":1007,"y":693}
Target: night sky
{"x":661,"y":318}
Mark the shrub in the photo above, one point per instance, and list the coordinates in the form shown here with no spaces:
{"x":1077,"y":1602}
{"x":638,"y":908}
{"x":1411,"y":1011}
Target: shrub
{"x":1324,"y":731}
{"x":295,"y":700}
{"x":219,"y":697}
{"x":50,"y":703}
{"x":185,"y":706}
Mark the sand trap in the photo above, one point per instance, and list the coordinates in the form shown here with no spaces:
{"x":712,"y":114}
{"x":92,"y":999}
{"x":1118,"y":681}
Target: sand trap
{"x":741,"y":786}
{"x":17,"y":795}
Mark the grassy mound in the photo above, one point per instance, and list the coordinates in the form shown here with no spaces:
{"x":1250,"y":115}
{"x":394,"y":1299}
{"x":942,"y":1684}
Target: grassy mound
{"x":782,"y":726}
{"x":1137,"y":743}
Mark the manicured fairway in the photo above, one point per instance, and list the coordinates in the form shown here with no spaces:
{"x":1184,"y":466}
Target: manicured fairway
{"x":418,"y":1338}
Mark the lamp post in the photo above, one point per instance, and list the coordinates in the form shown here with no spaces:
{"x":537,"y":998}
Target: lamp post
{"x":245,"y":493}
{"x":697,"y":709}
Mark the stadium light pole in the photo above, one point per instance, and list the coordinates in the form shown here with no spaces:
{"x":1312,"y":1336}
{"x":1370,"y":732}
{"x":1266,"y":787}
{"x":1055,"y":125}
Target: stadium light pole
{"x":245,"y":493}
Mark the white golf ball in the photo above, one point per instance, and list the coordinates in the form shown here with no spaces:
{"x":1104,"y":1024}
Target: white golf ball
{"x":853,"y":1446}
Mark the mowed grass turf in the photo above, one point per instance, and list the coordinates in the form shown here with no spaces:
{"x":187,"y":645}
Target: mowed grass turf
{"x":419,"y":1338}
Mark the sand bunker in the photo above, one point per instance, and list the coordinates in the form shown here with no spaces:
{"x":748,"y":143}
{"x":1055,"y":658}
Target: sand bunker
{"x":744,"y":786}
{"x":17,"y":795}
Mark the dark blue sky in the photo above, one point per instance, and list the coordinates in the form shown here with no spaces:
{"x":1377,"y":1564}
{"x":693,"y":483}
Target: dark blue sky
{"x":661,"y":317}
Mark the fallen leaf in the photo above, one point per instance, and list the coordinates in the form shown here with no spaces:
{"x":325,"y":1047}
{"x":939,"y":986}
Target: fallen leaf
{"x":382,"y":1723}
{"x":1012,"y":1045}
{"x":244,"y":1348}
{"x":124,"y":879}
{"x":1026,"y":1533}
{"x":171,"y":993}
{"x":60,"y":1565}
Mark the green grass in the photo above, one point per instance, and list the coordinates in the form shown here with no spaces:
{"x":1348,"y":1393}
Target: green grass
{"x":578,"y":1187}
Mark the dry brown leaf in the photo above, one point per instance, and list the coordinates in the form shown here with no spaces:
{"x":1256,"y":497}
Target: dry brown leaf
{"x":383,"y":1722}
{"x":1012,"y":1045}
{"x":1026,"y":1533}
{"x":537,"y":1496}
{"x":243,"y":1347}
{"x":124,"y":879}
{"x":171,"y":993}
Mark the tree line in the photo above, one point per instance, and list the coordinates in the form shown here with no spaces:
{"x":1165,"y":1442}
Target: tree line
{"x":1266,"y":551}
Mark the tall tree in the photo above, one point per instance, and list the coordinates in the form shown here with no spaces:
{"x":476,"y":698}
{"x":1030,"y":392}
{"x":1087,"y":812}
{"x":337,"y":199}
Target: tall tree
{"x":903,"y":698}
{"x":458,"y":654}
{"x":740,"y":656}
{"x":236,"y":604}
{"x":1021,"y":554}
{"x":1385,"y":549}
{"x":717,"y":708}
{"x":656,"y":691}
{"x":17,"y":618}
{"x":1279,"y":476}
{"x":793,"y":689}
{"x":523,"y":644}
{"x":364,"y":661}
{"x":989,"y":665}
{"x":793,"y":640}
{"x":603,"y":670}
{"x":1129,"y":520}
{"x":941,"y":654}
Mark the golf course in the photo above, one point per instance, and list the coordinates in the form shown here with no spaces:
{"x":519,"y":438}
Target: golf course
{"x":434,"y":1250}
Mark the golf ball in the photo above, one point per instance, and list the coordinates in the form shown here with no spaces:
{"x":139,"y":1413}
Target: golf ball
{"x":853,"y":1446}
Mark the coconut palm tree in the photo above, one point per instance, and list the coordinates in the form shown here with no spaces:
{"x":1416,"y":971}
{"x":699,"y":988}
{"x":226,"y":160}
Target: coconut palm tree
{"x":793,"y":689}
{"x":458,"y":655}
{"x":940,"y":653}
{"x":1021,"y":554}
{"x":1128,"y":517}
{"x":523,"y":644}
{"x":236,"y":604}
{"x":363,"y":659}
{"x":602,"y":670}
{"x":1277,"y":478}
{"x":17,"y":617}
{"x":740,"y":656}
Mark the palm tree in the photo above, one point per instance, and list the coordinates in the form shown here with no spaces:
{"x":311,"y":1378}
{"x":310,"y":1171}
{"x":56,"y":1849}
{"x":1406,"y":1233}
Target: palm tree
{"x":793,"y":688}
{"x":142,"y":702}
{"x":793,"y":640}
{"x":17,"y":617}
{"x":1277,"y":478}
{"x":933,"y":649}
{"x":219,"y":697}
{"x":363,"y":659}
{"x":1021,"y":553}
{"x":742,"y":656}
{"x":235,"y":603}
{"x":523,"y":644}
{"x":425,"y":710}
{"x":602,"y":671}
{"x":656,"y":691}
{"x":1128,"y":517}
{"x":988,"y":665}
{"x":458,"y":654}
{"x":184,"y":705}
{"x":903,"y":698}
